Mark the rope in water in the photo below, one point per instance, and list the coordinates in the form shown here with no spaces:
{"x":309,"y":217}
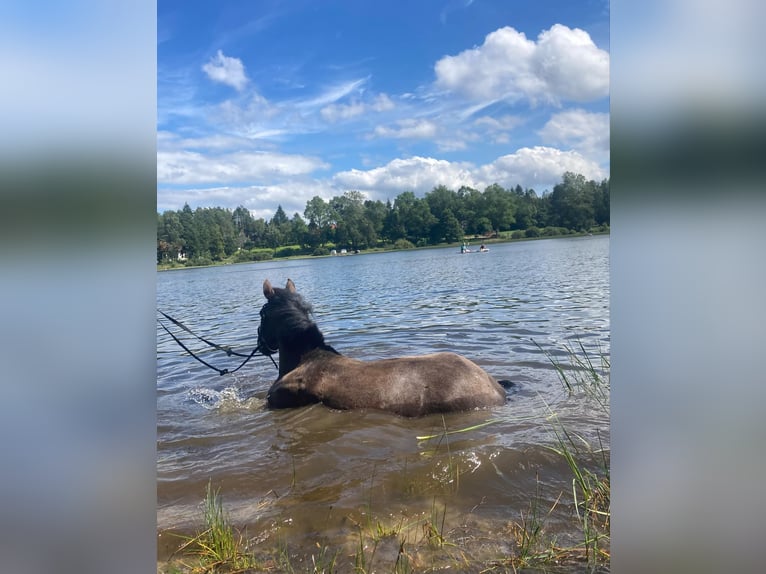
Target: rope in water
{"x":229,"y":352}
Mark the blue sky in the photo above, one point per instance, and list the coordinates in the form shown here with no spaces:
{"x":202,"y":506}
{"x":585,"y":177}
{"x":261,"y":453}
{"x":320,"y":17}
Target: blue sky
{"x":273,"y":102}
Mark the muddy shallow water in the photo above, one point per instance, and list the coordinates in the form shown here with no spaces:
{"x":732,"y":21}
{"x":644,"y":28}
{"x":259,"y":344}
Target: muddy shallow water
{"x":307,"y":478}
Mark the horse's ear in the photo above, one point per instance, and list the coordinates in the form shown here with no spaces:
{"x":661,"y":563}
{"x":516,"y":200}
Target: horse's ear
{"x":290,"y":286}
{"x":268,"y":290}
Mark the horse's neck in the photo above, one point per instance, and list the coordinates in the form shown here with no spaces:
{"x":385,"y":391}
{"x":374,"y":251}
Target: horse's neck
{"x":292,"y":348}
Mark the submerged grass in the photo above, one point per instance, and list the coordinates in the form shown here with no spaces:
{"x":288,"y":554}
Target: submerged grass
{"x":424,"y":543}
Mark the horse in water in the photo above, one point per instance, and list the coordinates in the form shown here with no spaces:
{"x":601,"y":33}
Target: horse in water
{"x":310,"y":371}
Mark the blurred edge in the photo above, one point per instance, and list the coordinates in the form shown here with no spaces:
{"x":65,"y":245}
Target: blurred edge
{"x":77,"y":217}
{"x":77,"y":252}
{"x":688,"y":274}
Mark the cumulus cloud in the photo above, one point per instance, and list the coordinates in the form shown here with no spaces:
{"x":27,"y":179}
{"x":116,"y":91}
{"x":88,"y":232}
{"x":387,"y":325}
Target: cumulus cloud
{"x":226,"y":70}
{"x":581,"y":130}
{"x":339,"y":112}
{"x":564,"y":64}
{"x":537,"y":167}
{"x":190,"y":167}
{"x":417,"y":174}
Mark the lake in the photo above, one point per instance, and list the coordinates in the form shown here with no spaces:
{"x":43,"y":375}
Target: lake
{"x":307,"y":478}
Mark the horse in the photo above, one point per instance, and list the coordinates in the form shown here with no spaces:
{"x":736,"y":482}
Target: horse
{"x":311,"y":371}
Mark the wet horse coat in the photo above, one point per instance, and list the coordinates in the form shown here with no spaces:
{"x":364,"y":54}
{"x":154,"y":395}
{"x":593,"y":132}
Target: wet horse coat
{"x":310,"y":371}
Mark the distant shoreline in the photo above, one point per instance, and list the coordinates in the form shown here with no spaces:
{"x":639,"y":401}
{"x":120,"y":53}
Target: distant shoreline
{"x":473,"y":241}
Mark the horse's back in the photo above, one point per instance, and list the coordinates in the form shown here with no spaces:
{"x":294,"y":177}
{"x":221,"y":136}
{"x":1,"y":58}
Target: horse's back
{"x":410,"y":386}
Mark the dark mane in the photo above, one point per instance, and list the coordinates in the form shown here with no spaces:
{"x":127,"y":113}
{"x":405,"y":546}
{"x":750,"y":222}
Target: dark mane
{"x":290,"y":310}
{"x":294,"y":315}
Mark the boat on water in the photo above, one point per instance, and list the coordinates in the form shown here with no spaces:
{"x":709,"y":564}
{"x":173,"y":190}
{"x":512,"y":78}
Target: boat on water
{"x":464,"y":249}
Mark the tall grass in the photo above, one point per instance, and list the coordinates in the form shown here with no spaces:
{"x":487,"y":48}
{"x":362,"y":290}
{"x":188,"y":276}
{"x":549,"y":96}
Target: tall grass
{"x":589,"y":464}
{"x":220,"y":547}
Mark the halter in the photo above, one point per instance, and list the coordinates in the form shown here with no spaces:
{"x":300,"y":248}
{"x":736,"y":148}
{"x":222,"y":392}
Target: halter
{"x":262,"y":347}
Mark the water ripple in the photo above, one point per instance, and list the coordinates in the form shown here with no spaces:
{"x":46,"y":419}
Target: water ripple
{"x":511,"y":311}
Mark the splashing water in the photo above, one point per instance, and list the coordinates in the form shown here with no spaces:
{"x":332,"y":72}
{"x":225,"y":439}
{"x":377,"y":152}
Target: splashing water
{"x":225,"y":399}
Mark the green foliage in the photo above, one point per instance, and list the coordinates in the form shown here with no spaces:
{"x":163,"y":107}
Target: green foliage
{"x":208,"y":235}
{"x":199,"y":261}
{"x":551,"y":231}
{"x":246,"y":255}
{"x":532,"y":232}
{"x":289,"y":251}
{"x":403,"y":244}
{"x":320,"y":251}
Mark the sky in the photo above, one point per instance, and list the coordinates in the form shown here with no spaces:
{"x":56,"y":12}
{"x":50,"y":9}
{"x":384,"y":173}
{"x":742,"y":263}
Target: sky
{"x":273,"y":102}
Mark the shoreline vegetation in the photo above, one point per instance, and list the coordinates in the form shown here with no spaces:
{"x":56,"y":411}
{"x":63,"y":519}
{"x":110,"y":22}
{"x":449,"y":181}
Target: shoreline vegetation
{"x":350,"y":224}
{"x":433,"y":539}
{"x":263,"y":255}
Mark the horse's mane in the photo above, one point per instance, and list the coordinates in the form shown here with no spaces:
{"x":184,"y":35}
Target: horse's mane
{"x":290,"y":309}
{"x":295,"y":316}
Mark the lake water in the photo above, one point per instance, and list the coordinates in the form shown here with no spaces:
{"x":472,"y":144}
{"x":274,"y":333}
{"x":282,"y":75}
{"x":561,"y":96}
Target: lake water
{"x":305,"y":477}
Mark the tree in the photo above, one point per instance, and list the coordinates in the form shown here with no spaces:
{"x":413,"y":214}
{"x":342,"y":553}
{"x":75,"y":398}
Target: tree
{"x":190,"y":232}
{"x":572,"y":202}
{"x":320,"y":217}
{"x":451,"y":229}
{"x":415,"y":216}
{"x":375,"y":212}
{"x":470,"y":208}
{"x":352,"y":229}
{"x":298,"y":230}
{"x":443,"y":203}
{"x":601,"y":203}
{"x":280,"y":218}
{"x":498,"y":205}
{"x":214,"y":233}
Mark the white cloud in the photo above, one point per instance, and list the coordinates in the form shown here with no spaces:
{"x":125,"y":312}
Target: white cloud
{"x":408,"y":129}
{"x":564,"y":64}
{"x":260,"y":200}
{"x":189,"y":167}
{"x":257,"y":118}
{"x":289,"y":181}
{"x":337,"y":112}
{"x":538,"y":167}
{"x":226,"y":70}
{"x":167,"y":141}
{"x":417,"y":174}
{"x":571,"y":65}
{"x":581,"y":130}
{"x":497,"y":129}
{"x":332,"y":94}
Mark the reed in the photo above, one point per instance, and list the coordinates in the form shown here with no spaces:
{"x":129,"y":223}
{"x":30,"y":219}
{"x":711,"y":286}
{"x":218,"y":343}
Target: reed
{"x":589,"y":466}
{"x":220,"y":547}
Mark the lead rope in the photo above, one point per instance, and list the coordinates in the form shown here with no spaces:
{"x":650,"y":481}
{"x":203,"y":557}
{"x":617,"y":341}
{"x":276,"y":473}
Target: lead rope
{"x":226,"y":350}
{"x":177,"y":323}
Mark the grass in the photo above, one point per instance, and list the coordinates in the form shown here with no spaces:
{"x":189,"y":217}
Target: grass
{"x":589,"y":466}
{"x":220,"y":547}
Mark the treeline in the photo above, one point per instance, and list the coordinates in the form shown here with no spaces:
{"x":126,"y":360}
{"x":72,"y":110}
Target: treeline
{"x":206,"y":235}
